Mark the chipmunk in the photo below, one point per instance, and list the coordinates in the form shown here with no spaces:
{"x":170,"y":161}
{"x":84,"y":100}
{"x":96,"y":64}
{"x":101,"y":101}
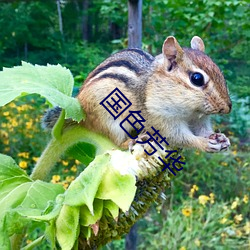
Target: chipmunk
{"x":175,"y":91}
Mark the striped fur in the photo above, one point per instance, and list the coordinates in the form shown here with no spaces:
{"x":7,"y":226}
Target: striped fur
{"x":161,"y":89}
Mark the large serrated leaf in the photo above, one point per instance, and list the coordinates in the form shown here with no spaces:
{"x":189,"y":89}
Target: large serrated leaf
{"x":118,"y":188}
{"x":53,"y":82}
{"x":39,"y":194}
{"x":83,"y":189}
{"x":21,"y":197}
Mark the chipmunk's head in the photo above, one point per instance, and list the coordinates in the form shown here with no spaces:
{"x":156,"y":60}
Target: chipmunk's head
{"x":195,"y":76}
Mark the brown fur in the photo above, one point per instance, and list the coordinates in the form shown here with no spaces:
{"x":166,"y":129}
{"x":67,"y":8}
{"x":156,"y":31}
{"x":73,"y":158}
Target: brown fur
{"x":160,"y":87}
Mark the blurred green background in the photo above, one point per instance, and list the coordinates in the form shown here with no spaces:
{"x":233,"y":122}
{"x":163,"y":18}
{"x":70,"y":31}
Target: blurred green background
{"x":208,"y":204}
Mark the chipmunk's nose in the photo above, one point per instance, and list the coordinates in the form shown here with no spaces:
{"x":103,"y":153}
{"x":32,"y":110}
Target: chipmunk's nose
{"x":226,"y":109}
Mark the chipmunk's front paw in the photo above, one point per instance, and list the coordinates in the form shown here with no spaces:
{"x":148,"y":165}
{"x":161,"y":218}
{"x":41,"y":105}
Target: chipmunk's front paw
{"x":131,"y":142}
{"x":217,"y":142}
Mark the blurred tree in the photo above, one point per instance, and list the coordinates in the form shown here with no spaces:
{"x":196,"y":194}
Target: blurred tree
{"x":134,"y":23}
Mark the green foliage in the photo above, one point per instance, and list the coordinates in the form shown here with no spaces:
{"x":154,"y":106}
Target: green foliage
{"x":198,"y":224}
{"x":52,"y":82}
{"x":82,"y":204}
{"x":19,"y":198}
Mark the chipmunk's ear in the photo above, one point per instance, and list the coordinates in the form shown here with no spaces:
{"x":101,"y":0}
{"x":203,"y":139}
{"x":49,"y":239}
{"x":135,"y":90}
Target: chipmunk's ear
{"x":171,"y":49}
{"x":197,"y":43}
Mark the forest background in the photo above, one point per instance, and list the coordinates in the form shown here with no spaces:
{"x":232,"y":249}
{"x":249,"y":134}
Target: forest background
{"x":208,"y":205}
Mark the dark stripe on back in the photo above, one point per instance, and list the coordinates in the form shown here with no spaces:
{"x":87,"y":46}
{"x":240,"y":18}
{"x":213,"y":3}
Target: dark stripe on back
{"x":142,"y":53}
{"x":119,"y":77}
{"x":118,"y":63}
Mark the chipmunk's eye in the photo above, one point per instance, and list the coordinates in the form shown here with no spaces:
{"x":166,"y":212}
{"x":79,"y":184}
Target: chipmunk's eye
{"x":197,"y":79}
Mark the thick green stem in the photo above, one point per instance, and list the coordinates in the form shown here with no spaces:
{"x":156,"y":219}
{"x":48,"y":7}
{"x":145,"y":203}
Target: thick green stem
{"x":57,"y":147}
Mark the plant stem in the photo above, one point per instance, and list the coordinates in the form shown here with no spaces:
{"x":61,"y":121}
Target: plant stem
{"x":57,"y":147}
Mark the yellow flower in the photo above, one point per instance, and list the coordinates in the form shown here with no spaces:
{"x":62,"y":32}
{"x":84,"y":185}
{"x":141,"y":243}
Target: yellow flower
{"x":65,"y":163}
{"x":4,"y":134}
{"x":211,"y":195}
{"x":29,"y":124}
{"x":235,"y":203}
{"x":223,"y":220}
{"x":12,"y":105}
{"x":192,"y":190}
{"x":197,"y":242}
{"x":247,"y":227}
{"x":14,"y":123}
{"x":6,"y":141}
{"x":65,"y":185}
{"x":203,"y":199}
{"x":186,"y":211}
{"x":6,"y":113}
{"x":23,"y":164}
{"x":35,"y":159}
{"x":223,"y":235}
{"x":77,"y":162}
{"x":245,"y":199}
{"x":55,"y":178}
{"x":234,"y":152}
{"x":238,"y":218}
{"x":70,"y":178}
{"x":24,"y":155}
{"x":73,"y":168}
{"x":224,"y":164}
{"x":182,"y":248}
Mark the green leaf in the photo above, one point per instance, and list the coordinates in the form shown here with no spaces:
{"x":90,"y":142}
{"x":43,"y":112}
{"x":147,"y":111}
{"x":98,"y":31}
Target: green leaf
{"x":20,"y":197}
{"x":9,"y":168}
{"x":83,"y":152}
{"x":48,"y":216}
{"x":112,"y":207}
{"x":14,"y":223}
{"x":67,"y":226}
{"x":83,"y":189}
{"x":39,"y":194}
{"x":86,"y":231}
{"x":53,"y":82}
{"x":50,"y":234}
{"x":4,"y":240}
{"x":118,"y":188}
{"x":6,"y":186}
{"x":14,"y":198}
{"x":86,"y":218}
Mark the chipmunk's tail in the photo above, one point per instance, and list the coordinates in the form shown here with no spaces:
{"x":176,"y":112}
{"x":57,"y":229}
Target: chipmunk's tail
{"x":50,"y":117}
